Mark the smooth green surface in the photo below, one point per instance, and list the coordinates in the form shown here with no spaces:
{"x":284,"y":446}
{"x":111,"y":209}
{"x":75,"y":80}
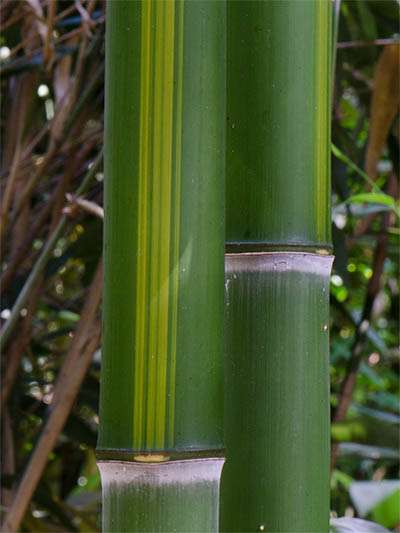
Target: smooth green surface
{"x":277,"y":396}
{"x":278,"y":122}
{"x":180,"y":496}
{"x":164,"y":227}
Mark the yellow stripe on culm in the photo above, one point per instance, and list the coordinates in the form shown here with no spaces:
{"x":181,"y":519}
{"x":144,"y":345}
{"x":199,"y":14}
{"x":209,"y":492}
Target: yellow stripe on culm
{"x":322,"y":77}
{"x":158,"y":241}
{"x":165,"y":245}
{"x":141,"y":288}
{"x":157,"y":178}
{"x":176,"y":229}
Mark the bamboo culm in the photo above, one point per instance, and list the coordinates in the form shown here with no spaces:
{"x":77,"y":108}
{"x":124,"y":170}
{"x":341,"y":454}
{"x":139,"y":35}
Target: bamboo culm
{"x":276,"y":476}
{"x":160,"y":440}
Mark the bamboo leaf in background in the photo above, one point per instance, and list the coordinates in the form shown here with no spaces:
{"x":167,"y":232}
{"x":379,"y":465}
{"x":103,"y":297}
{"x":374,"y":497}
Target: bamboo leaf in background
{"x":387,"y":511}
{"x":160,"y":435}
{"x":375,"y":198}
{"x":367,"y":20}
{"x":347,"y":161}
{"x":372,"y":198}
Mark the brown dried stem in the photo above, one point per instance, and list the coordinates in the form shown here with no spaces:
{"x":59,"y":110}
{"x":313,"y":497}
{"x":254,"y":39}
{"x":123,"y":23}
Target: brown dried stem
{"x":79,"y":356}
{"x":30,"y":283}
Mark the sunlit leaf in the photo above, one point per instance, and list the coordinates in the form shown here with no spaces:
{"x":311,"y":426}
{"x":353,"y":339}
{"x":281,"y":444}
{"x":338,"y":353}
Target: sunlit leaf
{"x":372,"y":198}
{"x":366,"y":495}
{"x":387,"y":512}
{"x":354,"y":525}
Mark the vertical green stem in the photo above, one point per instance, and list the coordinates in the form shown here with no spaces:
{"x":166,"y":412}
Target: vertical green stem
{"x":335,"y":32}
{"x":276,"y":476}
{"x":161,"y":394}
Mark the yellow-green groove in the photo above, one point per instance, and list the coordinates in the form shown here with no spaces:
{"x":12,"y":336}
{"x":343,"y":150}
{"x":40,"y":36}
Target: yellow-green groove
{"x":321,"y":117}
{"x":175,"y":265}
{"x":155,"y":226}
{"x":166,"y":181}
{"x":155,"y":348}
{"x":142,"y":216}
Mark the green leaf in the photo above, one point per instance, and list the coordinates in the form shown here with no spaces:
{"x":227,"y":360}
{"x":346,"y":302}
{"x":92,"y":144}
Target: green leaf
{"x":372,"y":198}
{"x":373,"y":377}
{"x":385,"y":400}
{"x":367,"y":20}
{"x":341,"y":477}
{"x":377,"y":196}
{"x":387,"y":511}
{"x":345,"y":159}
{"x":380,"y":496}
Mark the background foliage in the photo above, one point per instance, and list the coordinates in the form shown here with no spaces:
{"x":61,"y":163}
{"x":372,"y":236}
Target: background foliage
{"x":52,"y":60}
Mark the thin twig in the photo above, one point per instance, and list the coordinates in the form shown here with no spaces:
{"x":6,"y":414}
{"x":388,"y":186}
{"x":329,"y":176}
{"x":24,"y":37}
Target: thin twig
{"x":23,"y":296}
{"x":85,"y":205}
{"x":371,"y":333}
{"x":356,"y":353}
{"x":57,"y":41}
{"x":335,"y":33}
{"x":48,"y":49}
{"x":17,"y":348}
{"x":22,"y":250}
{"x":71,"y":169}
{"x":362,"y":328}
{"x":55,"y":145}
{"x":81,"y":352}
{"x":7,"y":454}
{"x":13,"y":19}
{"x":376,"y":42}
{"x":19,"y":111}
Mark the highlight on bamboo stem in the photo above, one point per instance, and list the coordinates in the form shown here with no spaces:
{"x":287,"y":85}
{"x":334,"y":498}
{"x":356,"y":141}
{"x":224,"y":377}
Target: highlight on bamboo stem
{"x":160,"y":438}
{"x":276,"y":476}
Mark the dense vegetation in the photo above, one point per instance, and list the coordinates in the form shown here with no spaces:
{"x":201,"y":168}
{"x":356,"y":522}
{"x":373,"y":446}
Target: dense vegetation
{"x":52,"y":59}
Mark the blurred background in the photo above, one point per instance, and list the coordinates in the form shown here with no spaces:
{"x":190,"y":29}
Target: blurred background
{"x":52,"y":70}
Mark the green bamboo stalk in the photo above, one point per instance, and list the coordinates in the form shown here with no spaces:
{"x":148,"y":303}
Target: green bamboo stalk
{"x":278,"y":123}
{"x":161,"y":407}
{"x":276,"y":476}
